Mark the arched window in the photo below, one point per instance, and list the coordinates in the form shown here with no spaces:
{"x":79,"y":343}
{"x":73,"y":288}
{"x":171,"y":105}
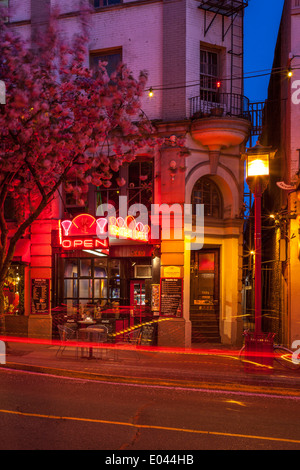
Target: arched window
{"x":207,"y":192}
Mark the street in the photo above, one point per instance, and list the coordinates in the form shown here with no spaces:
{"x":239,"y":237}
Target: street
{"x":40,"y":411}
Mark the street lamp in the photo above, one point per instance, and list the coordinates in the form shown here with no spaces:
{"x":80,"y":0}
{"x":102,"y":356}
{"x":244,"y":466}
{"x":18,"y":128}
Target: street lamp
{"x":257,"y":177}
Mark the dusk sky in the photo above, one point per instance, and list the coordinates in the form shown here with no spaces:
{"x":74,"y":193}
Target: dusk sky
{"x":262,"y":19}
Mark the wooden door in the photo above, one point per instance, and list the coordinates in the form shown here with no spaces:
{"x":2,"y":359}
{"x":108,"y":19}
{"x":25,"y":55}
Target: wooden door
{"x":204,"y":306}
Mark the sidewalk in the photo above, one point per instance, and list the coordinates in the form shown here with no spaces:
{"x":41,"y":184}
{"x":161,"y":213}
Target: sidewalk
{"x":203,"y":366}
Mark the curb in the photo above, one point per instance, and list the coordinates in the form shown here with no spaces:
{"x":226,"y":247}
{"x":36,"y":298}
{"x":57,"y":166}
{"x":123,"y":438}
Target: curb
{"x":259,"y":385}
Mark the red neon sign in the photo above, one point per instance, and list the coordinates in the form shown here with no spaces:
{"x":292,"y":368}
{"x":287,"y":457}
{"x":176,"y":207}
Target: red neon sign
{"x":128,"y":228}
{"x":83,"y":243}
{"x":87,"y":232}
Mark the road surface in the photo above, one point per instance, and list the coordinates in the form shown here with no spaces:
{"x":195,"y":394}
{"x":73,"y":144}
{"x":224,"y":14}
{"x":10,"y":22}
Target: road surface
{"x":40,"y":411}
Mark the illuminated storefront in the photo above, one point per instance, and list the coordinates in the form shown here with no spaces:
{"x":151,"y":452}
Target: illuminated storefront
{"x":100,"y":263}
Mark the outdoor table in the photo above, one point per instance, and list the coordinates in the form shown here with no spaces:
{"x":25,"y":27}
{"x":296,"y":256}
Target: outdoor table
{"x":86,"y":322}
{"x":91,"y":335}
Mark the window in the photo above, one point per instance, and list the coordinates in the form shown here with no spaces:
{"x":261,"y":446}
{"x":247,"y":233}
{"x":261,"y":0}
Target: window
{"x":112,"y":57}
{"x":91,"y":280}
{"x":10,"y":212}
{"x":106,"y":3}
{"x":109,"y":195}
{"x":13,"y":290}
{"x":76,"y":202}
{"x":207,"y":192}
{"x":209,"y":75}
{"x":140,"y":183}
{"x":139,"y":188}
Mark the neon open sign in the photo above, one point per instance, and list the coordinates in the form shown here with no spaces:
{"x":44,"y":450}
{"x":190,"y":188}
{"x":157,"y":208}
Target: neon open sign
{"x":83,"y":244}
{"x":87,"y":232}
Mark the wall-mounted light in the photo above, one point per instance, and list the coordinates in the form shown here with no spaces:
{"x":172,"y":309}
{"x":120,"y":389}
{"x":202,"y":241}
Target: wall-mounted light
{"x":173,"y":169}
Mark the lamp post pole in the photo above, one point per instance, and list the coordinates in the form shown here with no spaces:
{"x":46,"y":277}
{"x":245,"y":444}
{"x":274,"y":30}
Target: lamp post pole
{"x":257,"y":240}
{"x":258,"y":178}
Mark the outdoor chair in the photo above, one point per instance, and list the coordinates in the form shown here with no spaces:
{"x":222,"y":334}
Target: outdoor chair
{"x":66,"y":335}
{"x":132,"y":339}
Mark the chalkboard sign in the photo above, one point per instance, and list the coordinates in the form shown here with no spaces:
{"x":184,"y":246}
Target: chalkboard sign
{"x":171,"y":297}
{"x":40,"y":295}
{"x":148,"y":335}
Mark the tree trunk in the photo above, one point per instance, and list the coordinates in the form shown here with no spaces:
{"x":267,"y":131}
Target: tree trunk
{"x":2,"y":323}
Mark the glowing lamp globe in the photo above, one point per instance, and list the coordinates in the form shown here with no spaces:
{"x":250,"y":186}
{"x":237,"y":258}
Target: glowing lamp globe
{"x":258,"y":165}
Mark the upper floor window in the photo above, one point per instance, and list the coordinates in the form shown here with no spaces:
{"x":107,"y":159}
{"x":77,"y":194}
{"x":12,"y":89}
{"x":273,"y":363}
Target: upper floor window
{"x":140,"y":183}
{"x":109,"y":193}
{"x":105,"y":3}
{"x":138,"y":188}
{"x":112,"y":57}
{"x":209,"y":75}
{"x":4,"y":4}
{"x":207,"y":192}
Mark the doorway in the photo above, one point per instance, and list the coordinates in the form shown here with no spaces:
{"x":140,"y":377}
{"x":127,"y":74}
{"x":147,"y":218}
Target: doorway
{"x":137,"y":293}
{"x":204,"y":301}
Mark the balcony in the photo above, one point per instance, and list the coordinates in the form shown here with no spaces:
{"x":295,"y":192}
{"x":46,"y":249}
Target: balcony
{"x":221,"y":104}
{"x":220,"y":124}
{"x":223,"y":7}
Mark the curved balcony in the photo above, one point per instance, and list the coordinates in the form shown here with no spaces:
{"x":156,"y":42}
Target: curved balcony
{"x":221,"y":124}
{"x":220,"y":104}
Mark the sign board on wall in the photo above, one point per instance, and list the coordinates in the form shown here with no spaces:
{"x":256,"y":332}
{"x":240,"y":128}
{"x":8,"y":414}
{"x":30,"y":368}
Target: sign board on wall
{"x":155,"y":294}
{"x":172,"y":271}
{"x":40,"y":296}
{"x":171,"y":293}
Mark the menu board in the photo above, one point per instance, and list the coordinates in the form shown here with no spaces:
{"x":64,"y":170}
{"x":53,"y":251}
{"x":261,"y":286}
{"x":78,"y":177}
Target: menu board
{"x":40,"y":295}
{"x":148,"y":336}
{"x":171,"y":297}
{"x":155,"y":298}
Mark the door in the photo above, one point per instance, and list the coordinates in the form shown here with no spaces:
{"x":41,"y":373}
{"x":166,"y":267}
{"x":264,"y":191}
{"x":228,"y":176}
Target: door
{"x":137,"y":293}
{"x":204,"y":306}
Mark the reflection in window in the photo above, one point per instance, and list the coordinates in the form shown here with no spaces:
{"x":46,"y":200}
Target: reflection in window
{"x":207,"y":192}
{"x":91,"y":281}
{"x":206,"y":262}
{"x":109,"y":195}
{"x":113,"y":59}
{"x":13,"y":290}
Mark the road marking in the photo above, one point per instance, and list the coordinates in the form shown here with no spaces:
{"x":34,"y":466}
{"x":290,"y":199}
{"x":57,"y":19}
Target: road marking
{"x":148,"y":426}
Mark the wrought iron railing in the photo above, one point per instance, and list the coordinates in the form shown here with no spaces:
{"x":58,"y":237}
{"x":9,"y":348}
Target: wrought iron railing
{"x":223,"y":104}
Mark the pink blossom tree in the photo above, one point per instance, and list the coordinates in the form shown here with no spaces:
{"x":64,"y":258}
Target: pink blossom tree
{"x":60,"y":121}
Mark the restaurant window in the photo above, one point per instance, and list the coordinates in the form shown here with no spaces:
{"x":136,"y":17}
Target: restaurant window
{"x":14,"y":290}
{"x":96,"y":281}
{"x":209,"y":75}
{"x":207,"y":192}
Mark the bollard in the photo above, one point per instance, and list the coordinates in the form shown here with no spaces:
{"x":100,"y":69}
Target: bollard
{"x":2,"y":352}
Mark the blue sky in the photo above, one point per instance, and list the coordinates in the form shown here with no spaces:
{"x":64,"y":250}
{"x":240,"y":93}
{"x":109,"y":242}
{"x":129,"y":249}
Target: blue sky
{"x":262,"y":19}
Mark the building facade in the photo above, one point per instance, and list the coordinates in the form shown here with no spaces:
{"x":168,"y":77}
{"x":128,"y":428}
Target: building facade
{"x":193,"y":53}
{"x":281,"y":200}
